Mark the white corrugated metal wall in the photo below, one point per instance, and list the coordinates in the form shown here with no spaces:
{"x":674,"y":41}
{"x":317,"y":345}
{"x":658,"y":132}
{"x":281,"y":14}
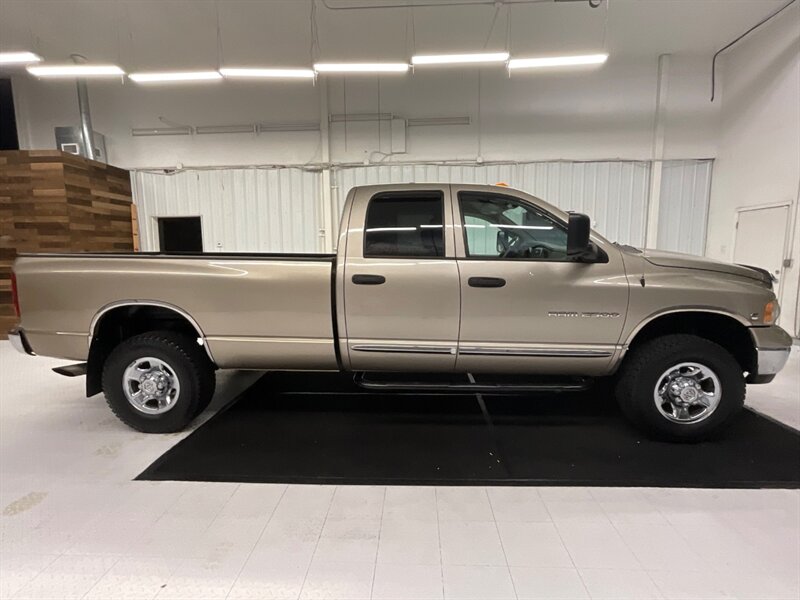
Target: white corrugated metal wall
{"x":242,"y":210}
{"x":278,"y":210}
{"x":613,"y":193}
{"x":683,"y":209}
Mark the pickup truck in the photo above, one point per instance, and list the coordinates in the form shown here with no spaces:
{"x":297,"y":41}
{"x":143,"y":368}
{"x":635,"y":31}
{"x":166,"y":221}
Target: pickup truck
{"x":430,"y":282}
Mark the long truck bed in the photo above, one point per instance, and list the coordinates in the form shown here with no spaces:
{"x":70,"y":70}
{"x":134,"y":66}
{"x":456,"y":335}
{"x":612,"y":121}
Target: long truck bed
{"x":250,"y":308}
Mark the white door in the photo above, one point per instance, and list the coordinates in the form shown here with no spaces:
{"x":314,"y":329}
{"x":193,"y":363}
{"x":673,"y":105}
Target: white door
{"x":761,"y":238}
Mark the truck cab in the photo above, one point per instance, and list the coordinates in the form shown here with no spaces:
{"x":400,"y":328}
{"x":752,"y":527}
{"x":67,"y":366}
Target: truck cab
{"x":474,"y":279}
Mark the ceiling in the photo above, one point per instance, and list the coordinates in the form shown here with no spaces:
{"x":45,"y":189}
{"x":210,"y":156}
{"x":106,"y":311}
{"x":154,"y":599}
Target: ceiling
{"x":202,"y":34}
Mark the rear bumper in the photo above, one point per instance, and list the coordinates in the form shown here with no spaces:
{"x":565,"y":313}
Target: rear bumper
{"x":773,"y":346}
{"x":20,"y":343}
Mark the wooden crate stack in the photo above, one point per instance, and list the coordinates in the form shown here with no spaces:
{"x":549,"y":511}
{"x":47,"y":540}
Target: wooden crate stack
{"x":52,"y":201}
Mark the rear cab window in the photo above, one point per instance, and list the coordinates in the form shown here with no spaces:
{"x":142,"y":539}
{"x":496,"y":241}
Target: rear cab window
{"x":405,"y":226}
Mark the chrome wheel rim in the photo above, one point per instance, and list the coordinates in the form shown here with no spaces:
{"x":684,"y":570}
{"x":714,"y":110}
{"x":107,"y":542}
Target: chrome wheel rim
{"x":150,"y":385}
{"x":687,"y":393}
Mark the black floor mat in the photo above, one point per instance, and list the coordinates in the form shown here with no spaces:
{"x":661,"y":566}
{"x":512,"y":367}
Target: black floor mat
{"x":302,"y":428}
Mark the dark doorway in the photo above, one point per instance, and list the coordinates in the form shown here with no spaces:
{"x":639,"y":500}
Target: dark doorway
{"x":180,"y":234}
{"x":8,"y":119}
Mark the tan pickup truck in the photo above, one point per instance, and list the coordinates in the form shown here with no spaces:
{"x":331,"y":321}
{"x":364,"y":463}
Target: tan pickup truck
{"x":428,"y":279}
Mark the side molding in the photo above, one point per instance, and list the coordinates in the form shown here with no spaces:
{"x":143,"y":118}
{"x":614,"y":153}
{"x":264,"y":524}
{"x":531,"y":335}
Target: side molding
{"x":535,"y":352}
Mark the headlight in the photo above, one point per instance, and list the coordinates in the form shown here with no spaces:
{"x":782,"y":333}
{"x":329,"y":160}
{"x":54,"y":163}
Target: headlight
{"x":772,"y":311}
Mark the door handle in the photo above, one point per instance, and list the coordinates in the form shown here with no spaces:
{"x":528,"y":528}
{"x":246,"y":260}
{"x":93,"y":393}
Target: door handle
{"x":369,"y":279}
{"x":486,"y":282}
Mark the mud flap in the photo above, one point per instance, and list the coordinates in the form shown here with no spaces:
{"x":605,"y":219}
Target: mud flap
{"x":94,"y":369}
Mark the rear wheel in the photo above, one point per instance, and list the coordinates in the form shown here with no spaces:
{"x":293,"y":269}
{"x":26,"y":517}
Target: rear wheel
{"x":157,"y":382}
{"x":681,"y":387}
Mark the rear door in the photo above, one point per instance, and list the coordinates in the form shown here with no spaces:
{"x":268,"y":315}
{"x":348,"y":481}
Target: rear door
{"x":525,"y":307}
{"x":401,"y":284}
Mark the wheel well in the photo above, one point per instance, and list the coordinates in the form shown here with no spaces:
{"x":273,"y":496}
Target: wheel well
{"x":123,"y":322}
{"x":720,"y":329}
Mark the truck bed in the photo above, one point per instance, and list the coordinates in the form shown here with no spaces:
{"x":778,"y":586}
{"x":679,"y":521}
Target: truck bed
{"x":250,"y":308}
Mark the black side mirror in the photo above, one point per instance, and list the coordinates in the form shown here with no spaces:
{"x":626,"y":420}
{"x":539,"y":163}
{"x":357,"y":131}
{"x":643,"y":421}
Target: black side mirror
{"x":578,"y":229}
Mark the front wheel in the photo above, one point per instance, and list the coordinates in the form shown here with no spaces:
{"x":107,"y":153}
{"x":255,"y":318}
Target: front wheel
{"x":680,"y":387}
{"x":157,"y":382}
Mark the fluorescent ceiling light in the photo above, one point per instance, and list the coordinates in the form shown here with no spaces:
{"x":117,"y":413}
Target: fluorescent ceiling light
{"x":175,"y":76}
{"x":455,"y":59}
{"x":502,"y":226}
{"x":269,"y":73}
{"x":557,"y":61}
{"x":381,"y":229}
{"x":361,"y":67}
{"x":75,"y":70}
{"x":18,"y":58}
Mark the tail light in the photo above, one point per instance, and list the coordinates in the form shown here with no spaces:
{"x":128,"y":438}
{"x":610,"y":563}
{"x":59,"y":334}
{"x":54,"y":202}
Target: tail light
{"x":15,"y":295}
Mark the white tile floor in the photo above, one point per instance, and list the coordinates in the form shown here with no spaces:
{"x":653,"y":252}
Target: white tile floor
{"x":74,"y":525}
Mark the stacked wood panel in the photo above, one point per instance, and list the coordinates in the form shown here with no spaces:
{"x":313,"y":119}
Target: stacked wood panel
{"x":51,"y":201}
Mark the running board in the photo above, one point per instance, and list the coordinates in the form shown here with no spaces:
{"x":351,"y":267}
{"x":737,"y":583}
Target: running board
{"x":575,"y":384}
{"x":75,"y":370}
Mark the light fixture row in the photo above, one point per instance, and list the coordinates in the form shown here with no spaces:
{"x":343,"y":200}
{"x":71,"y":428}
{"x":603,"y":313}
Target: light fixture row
{"x":89,"y":70}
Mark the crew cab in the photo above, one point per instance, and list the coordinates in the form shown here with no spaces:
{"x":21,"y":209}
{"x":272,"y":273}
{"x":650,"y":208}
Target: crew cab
{"x":427,"y":279}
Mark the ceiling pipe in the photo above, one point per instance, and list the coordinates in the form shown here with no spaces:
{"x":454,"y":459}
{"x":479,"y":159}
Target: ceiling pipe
{"x":83,"y":109}
{"x":736,"y":41}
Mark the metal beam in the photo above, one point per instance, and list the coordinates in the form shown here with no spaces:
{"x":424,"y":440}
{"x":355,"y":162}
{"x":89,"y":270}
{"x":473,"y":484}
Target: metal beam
{"x":657,"y":153}
{"x":327,"y":228}
{"x":85,"y":114}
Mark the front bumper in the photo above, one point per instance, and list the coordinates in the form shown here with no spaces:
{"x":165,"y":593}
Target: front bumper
{"x":773,"y":346}
{"x":772,"y":360}
{"x":20,"y":343}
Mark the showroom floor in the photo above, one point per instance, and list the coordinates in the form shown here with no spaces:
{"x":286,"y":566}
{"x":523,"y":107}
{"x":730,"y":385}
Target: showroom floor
{"x":75,"y":525}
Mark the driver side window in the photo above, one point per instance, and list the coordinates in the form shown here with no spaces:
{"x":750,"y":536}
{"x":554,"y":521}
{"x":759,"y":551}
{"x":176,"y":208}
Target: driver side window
{"x":499,"y":226}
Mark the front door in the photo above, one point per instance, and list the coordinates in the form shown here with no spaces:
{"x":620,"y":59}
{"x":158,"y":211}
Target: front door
{"x":525,"y":307}
{"x":401,"y":284}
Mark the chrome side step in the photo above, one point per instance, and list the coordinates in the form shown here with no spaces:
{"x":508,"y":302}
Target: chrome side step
{"x":575,"y":384}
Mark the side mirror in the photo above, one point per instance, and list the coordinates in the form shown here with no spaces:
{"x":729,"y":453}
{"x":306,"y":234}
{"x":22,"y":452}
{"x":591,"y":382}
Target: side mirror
{"x":578,"y":229}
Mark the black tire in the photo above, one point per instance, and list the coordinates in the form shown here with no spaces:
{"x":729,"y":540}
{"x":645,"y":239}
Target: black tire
{"x":644,"y":366}
{"x":190,"y":366}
